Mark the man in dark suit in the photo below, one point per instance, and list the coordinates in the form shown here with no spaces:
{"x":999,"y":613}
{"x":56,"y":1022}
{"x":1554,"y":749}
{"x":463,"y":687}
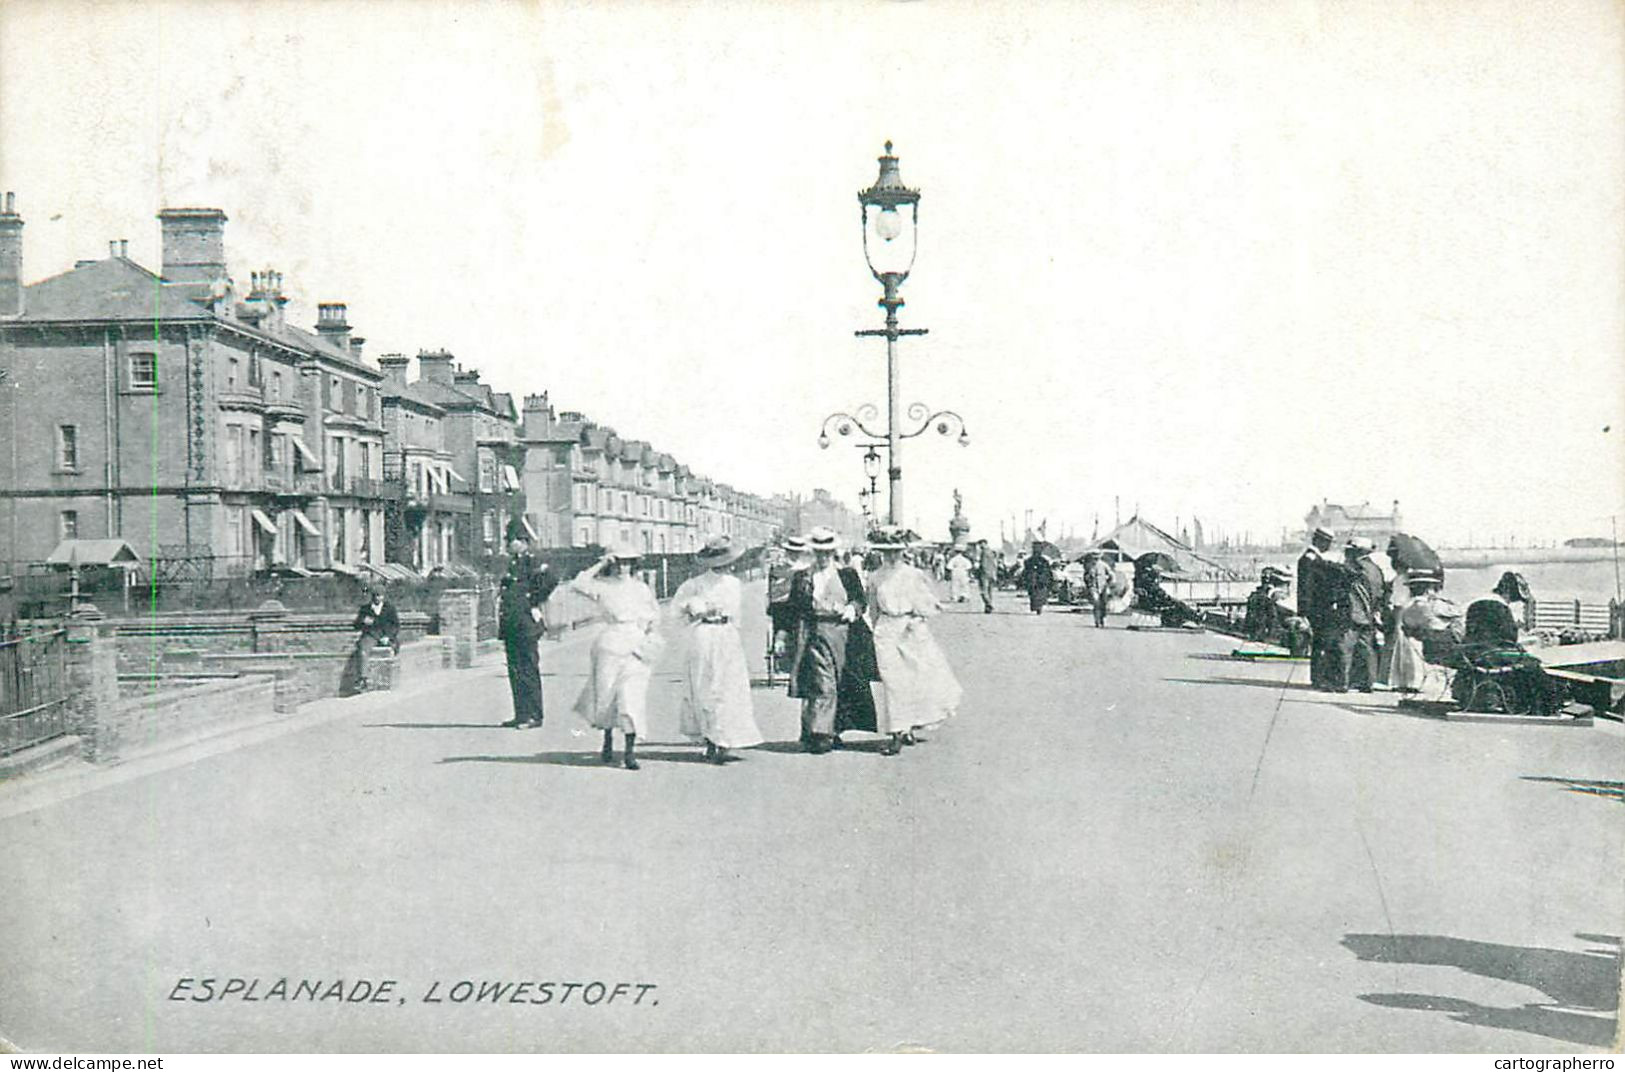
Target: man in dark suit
{"x":380,"y":627}
{"x":1316,"y":579}
{"x":1358,"y":612}
{"x":834,"y":654}
{"x":525,"y":587}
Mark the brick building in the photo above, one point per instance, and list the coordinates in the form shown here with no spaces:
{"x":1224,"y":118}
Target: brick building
{"x":586,"y":485}
{"x":1346,"y":522}
{"x":454,"y":457}
{"x":181,"y":414}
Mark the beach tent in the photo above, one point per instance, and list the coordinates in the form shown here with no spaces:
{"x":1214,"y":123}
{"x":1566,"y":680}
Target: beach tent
{"x":1136,"y":537}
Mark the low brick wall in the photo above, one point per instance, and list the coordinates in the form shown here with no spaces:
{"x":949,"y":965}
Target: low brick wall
{"x":166,"y":642}
{"x":176,"y":716}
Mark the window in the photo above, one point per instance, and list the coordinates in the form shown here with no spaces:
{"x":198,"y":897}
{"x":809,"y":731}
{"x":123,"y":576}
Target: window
{"x":234,"y":531}
{"x":586,"y":537}
{"x":67,"y":447}
{"x":256,"y":451}
{"x":70,"y":524}
{"x":335,"y":397}
{"x":143,"y":370}
{"x":276,"y":384}
{"x":231,"y":372}
{"x":626,"y":503}
{"x":253,"y":369}
{"x":340,"y":537}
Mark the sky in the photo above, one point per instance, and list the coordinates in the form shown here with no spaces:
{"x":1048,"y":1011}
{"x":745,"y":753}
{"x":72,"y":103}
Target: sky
{"x":1220,"y":261}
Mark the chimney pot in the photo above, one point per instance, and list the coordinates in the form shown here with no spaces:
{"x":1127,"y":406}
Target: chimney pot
{"x":124,"y":247}
{"x":112,"y":247}
{"x":11,"y":203}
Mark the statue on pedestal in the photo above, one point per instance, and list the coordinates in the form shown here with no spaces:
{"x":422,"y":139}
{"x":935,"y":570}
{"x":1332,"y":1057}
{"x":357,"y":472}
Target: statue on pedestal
{"x":958,"y":525}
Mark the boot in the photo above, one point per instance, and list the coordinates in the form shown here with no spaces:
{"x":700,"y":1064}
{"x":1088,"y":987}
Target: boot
{"x":631,"y":743}
{"x":608,"y":754}
{"x":710,"y":750}
{"x":893,"y":746}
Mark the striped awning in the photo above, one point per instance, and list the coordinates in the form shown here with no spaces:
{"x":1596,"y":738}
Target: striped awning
{"x":307,"y":460}
{"x":266,"y":525}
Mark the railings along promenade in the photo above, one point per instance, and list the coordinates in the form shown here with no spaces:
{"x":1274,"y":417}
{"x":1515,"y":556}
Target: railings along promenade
{"x":33,"y":688}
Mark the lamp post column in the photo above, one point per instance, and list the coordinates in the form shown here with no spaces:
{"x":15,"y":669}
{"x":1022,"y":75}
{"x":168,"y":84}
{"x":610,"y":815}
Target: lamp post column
{"x":894,"y":441}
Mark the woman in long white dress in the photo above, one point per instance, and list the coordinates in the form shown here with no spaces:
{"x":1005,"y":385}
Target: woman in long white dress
{"x":716,"y":705}
{"x":917,"y":687}
{"x":617,"y":691}
{"x":959,"y":567}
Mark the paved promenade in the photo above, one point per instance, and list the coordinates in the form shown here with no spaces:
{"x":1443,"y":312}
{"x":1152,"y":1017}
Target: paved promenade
{"x":1123,"y":842}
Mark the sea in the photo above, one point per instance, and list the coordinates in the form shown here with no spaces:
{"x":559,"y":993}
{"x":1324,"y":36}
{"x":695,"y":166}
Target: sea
{"x":1589,"y":582}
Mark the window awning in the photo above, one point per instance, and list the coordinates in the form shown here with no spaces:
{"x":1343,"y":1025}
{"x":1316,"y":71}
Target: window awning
{"x":305,"y":523}
{"x":306,"y":459}
{"x":455,"y":475}
{"x":536,"y":537}
{"x":265,"y":523}
{"x":511,"y":475}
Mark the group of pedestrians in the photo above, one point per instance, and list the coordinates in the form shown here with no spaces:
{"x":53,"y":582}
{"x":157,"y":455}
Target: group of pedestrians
{"x":1346,"y":602}
{"x":861,"y":656}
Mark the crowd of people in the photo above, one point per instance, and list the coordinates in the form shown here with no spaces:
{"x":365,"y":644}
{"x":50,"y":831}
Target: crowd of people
{"x":859,"y":651}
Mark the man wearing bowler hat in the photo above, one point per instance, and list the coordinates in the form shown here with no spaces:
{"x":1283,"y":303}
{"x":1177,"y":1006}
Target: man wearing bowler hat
{"x":1315,"y":584}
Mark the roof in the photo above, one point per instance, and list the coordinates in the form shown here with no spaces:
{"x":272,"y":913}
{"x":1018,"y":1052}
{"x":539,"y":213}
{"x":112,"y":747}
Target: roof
{"x":93,"y":553}
{"x":413,"y":394}
{"x":113,"y":289}
{"x":117,"y":288}
{"x":1138,"y":536}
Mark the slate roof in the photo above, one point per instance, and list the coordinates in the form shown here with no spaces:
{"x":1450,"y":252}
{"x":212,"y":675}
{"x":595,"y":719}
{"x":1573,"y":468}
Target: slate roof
{"x":111,"y":289}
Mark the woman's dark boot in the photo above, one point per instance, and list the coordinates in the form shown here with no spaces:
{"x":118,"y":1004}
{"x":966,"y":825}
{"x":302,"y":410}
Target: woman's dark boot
{"x":631,"y":743}
{"x":710,"y":750}
{"x":608,"y":753}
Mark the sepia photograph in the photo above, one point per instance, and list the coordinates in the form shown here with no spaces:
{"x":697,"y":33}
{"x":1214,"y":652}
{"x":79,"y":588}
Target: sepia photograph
{"x":881,"y":526}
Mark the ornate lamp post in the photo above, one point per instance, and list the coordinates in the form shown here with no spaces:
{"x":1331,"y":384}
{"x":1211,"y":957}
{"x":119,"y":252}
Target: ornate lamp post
{"x":889,"y":246}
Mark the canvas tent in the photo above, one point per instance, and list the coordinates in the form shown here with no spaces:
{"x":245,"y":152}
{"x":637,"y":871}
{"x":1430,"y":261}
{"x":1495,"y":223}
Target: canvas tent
{"x":1136,"y":537}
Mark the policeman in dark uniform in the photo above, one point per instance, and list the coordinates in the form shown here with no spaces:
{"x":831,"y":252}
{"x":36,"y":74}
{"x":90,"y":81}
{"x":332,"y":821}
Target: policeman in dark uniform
{"x":525,"y":587}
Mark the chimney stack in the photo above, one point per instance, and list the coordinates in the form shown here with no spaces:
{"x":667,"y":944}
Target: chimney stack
{"x":333,"y":325}
{"x":394,"y":369}
{"x":112,"y":247}
{"x":124,"y":248}
{"x":194,"y":246}
{"x":434,"y":366}
{"x":356,"y":342}
{"x":11,"y":258}
{"x":465,"y":377}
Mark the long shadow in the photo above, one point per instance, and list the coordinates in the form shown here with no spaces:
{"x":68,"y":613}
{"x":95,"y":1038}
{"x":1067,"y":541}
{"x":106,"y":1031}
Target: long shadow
{"x":1274,"y":686}
{"x":586,"y":759}
{"x":435,"y":726}
{"x":1583,"y":987}
{"x":1614,"y":790}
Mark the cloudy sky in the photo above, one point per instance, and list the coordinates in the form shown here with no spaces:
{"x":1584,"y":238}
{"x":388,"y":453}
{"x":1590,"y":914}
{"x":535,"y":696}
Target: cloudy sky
{"x":1213,"y":260}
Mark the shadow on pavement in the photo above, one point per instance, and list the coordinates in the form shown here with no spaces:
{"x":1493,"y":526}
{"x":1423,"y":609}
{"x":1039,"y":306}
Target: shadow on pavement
{"x":1260,"y":683}
{"x":434,"y":726}
{"x":1615,"y":790}
{"x":587,"y":759}
{"x":1583,"y":986}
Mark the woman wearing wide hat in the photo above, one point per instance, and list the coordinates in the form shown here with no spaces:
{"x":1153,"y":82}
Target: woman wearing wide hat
{"x":917,"y":687}
{"x":833,"y":661}
{"x":716,"y":704}
{"x":617,"y":690}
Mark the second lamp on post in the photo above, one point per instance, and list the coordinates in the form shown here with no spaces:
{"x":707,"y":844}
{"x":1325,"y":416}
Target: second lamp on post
{"x":890,"y":241}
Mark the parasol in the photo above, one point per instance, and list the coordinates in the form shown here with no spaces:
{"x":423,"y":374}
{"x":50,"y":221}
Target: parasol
{"x":1160,"y":561}
{"x":1411,"y":554}
{"x":1048,"y":550}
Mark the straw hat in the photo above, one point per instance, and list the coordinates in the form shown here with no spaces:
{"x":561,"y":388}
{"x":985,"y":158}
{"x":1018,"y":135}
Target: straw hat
{"x":823,"y":538}
{"x":795,"y":544}
{"x":718,"y":551}
{"x":623,"y":551}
